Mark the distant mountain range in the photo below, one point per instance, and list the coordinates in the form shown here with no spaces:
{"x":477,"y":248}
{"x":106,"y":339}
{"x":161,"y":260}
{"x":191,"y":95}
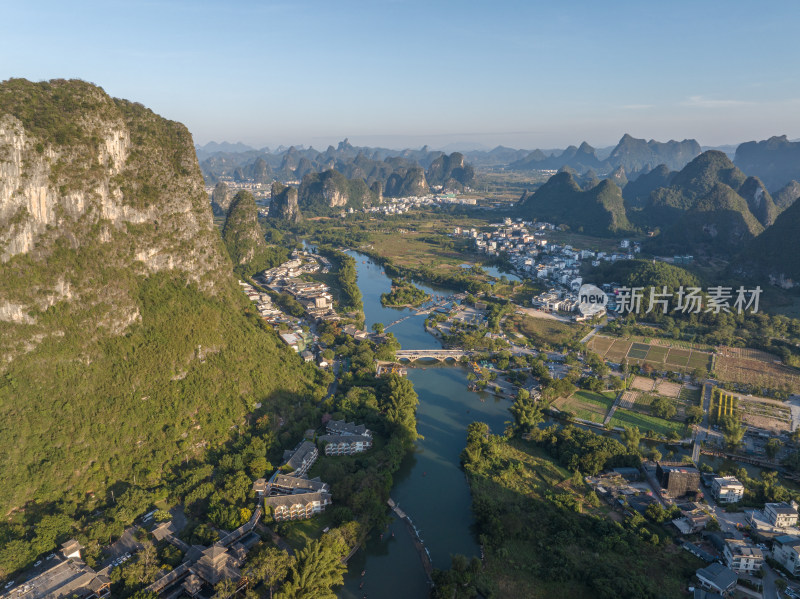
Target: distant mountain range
{"x":599,"y":210}
{"x":634,"y":155}
{"x":709,"y":207}
{"x":773,"y":252}
{"x":776,"y":161}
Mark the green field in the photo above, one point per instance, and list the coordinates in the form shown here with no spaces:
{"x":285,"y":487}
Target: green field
{"x":679,"y":357}
{"x":546,"y":331}
{"x":691,"y":396}
{"x":587,"y":405}
{"x":662,"y":357}
{"x":657,"y":353}
{"x":646,"y":423}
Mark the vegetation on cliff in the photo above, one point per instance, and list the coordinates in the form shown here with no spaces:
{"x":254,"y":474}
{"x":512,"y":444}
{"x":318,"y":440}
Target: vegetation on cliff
{"x":244,"y":238}
{"x":136,"y":354}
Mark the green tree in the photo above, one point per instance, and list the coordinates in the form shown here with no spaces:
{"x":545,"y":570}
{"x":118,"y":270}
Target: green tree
{"x":162,"y":516}
{"x":316,"y":571}
{"x":694,"y":414}
{"x":631,"y":437}
{"x":663,"y":407}
{"x":772,"y":448}
{"x":224,"y":589}
{"x":269,"y":565}
{"x":258,"y":466}
{"x":378,"y":327}
{"x":527,"y":413}
{"x":732,"y":431}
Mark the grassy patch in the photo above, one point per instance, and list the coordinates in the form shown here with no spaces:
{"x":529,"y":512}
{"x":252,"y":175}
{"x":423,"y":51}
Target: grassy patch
{"x":645,"y":422}
{"x":546,"y":538}
{"x":546,"y":331}
{"x":587,"y":405}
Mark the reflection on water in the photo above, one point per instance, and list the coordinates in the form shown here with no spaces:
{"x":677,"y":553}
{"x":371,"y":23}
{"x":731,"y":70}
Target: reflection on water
{"x":430,"y":486}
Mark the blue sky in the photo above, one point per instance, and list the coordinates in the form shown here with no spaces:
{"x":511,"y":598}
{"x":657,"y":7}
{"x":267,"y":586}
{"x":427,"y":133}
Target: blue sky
{"x":403,"y":73}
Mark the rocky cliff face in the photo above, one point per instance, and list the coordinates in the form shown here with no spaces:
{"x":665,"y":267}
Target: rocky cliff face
{"x":406,"y":182}
{"x":451,"y":171}
{"x":244,"y":237}
{"x":86,"y":181}
{"x":221,"y":199}
{"x":284,"y":203}
{"x":330,"y":192}
{"x":123,"y":335}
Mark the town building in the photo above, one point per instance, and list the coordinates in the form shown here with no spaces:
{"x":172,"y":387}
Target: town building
{"x":780,"y":515}
{"x":295,"y":497}
{"x":345,"y":444}
{"x":678,"y":479}
{"x":297,"y":507}
{"x":717,"y":578}
{"x":727,"y":489}
{"x":297,"y":461}
{"x":340,"y":427}
{"x":786,"y":551}
{"x":345,"y":438}
{"x":68,"y":577}
{"x":743,"y":557}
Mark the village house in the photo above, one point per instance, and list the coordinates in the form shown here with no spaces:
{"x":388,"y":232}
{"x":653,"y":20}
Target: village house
{"x":296,"y":498}
{"x":297,"y":507}
{"x":345,"y":438}
{"x":786,"y":551}
{"x":743,"y":557}
{"x":69,"y":576}
{"x":297,"y":461}
{"x":345,"y":444}
{"x":780,"y":515}
{"x":717,"y":578}
{"x":727,"y":489}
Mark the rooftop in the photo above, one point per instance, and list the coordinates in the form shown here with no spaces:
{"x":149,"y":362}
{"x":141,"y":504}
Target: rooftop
{"x":718,"y":575}
{"x":341,"y":427}
{"x":301,"y":499}
{"x":781,"y":508}
{"x":345,"y":439}
{"x":295,"y":458}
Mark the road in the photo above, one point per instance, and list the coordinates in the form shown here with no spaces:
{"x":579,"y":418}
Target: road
{"x":727,"y":522}
{"x":702,"y":429}
{"x":613,"y":408}
{"x":591,"y":333}
{"x":769,"y":591}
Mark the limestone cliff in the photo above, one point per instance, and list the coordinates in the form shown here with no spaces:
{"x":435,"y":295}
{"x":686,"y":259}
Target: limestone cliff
{"x":331,"y":192}
{"x":243,"y":236}
{"x":221,"y":199}
{"x":124,"y":339}
{"x":451,"y":172}
{"x":283,"y":205}
{"x":406,"y":182}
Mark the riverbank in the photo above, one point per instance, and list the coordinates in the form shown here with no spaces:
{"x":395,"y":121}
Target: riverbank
{"x":429,"y":486}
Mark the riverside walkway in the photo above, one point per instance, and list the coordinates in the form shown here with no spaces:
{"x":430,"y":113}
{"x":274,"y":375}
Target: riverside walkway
{"x":419,"y":544}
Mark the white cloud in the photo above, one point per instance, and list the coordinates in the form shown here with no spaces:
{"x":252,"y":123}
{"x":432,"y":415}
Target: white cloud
{"x":704,"y":102}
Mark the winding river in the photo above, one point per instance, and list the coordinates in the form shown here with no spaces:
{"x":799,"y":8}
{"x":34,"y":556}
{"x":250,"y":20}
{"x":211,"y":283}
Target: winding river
{"x":430,"y":486}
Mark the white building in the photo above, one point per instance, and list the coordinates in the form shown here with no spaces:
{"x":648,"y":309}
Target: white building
{"x":727,"y":489}
{"x":786,"y":551}
{"x":741,"y":556}
{"x":780,"y":515}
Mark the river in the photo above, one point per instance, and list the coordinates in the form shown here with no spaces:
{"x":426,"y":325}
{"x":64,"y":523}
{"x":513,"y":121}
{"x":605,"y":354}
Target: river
{"x":430,"y":485}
